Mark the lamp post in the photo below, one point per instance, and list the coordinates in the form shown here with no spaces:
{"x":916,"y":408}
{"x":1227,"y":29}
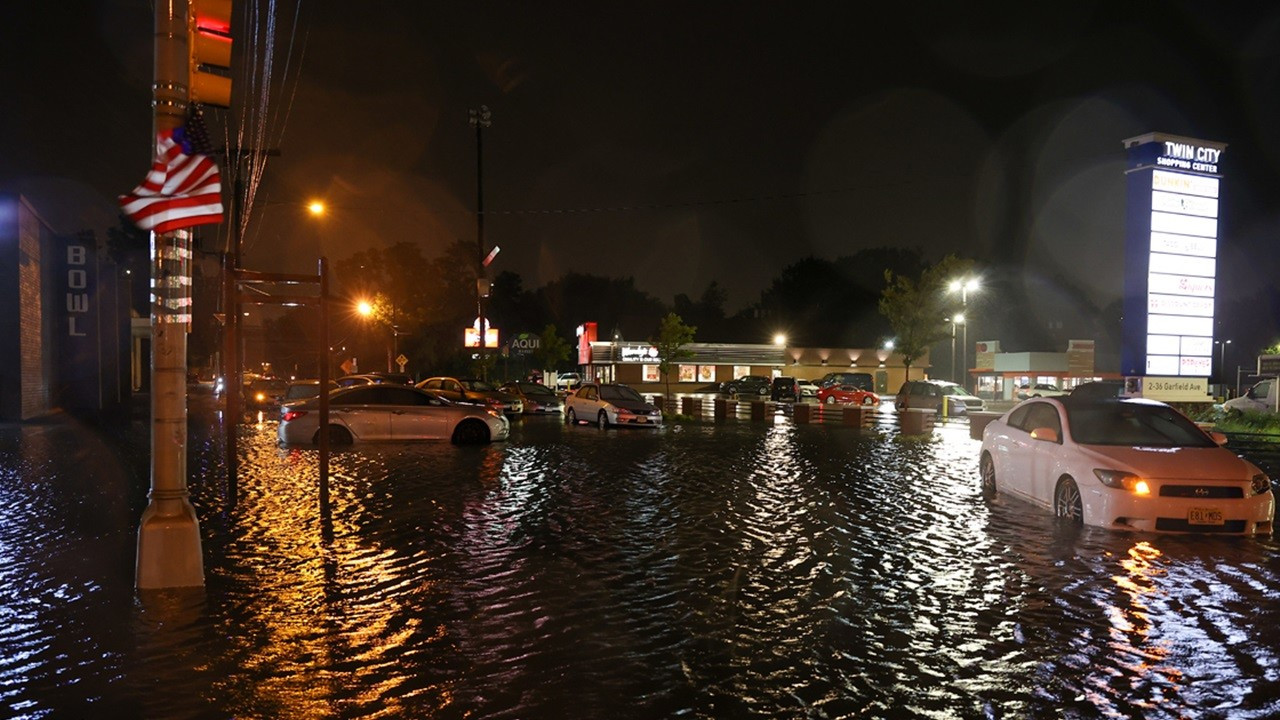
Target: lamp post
{"x":964,"y":286}
{"x":480,"y":119}
{"x":1222,"y":359}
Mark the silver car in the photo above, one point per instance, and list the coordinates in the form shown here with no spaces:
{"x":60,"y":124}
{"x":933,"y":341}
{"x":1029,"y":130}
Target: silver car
{"x":610,"y":404}
{"x":389,"y":412}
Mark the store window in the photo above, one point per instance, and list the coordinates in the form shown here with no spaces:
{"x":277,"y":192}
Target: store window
{"x":706,"y":373}
{"x":651,"y":374}
{"x":740,"y":370}
{"x":688,"y":373}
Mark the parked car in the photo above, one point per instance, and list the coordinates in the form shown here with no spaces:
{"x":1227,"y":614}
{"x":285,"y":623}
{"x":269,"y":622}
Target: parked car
{"x":937,"y":395}
{"x":784,"y":389}
{"x":389,"y":411}
{"x":808,"y":389}
{"x":568,"y":380}
{"x":956,"y":392}
{"x":360,"y":379}
{"x":1099,"y":389}
{"x":537,"y":398}
{"x":1038,"y":390}
{"x":304,"y":390}
{"x":1127,"y":464}
{"x":1261,"y":397}
{"x":847,"y":395}
{"x":472,"y":391}
{"x":610,"y":404}
{"x":747,"y":385}
{"x":265,"y":393}
{"x":857,"y":379}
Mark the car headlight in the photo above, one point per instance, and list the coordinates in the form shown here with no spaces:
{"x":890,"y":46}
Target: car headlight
{"x":1261,"y":484}
{"x":1122,"y":480}
{"x":260,"y":397}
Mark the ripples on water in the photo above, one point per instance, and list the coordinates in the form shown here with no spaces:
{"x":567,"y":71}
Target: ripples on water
{"x":729,"y":571}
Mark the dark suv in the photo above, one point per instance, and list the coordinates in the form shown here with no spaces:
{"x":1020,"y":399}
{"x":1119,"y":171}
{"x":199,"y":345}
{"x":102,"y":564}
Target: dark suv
{"x":929,"y":395}
{"x":785,"y":389}
{"x":747,"y":385}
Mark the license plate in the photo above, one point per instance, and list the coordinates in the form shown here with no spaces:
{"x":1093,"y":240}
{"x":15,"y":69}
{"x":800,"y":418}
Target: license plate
{"x":1204,"y":516}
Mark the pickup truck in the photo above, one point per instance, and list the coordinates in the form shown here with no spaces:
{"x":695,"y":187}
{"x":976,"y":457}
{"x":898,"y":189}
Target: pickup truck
{"x":1260,"y":398}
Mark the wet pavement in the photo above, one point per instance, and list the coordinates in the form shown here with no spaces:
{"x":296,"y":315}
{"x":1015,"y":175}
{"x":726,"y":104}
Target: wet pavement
{"x":714,"y":571}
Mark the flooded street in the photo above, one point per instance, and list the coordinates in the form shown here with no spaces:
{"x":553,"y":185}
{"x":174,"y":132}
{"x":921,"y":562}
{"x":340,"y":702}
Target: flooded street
{"x":713,"y":571}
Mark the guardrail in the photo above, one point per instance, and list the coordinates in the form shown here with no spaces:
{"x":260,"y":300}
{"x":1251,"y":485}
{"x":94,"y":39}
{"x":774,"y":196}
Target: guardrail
{"x":720,"y":409}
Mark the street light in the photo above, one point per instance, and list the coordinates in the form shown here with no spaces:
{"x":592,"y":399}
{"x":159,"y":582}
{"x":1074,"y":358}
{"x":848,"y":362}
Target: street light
{"x":957,"y":319}
{"x":964,"y":286}
{"x":779,"y":339}
{"x":1222,"y":359}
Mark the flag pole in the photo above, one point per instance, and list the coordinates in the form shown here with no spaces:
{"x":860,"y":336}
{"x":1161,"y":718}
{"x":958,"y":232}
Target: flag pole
{"x":169,"y":553}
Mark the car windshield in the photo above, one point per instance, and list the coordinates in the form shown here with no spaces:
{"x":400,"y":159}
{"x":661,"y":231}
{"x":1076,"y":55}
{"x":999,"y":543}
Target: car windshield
{"x":953,"y":390}
{"x":534,"y":389}
{"x":476,"y":385}
{"x":1131,"y":424}
{"x":619,"y":393}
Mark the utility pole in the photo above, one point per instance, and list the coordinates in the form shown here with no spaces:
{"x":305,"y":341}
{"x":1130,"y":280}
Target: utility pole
{"x":480,"y":119}
{"x":169,"y":552}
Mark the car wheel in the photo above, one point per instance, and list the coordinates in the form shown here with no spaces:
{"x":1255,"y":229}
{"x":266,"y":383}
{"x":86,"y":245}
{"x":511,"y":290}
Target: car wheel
{"x":570,"y":418}
{"x":602,"y":421}
{"x":338,"y":435}
{"x":867,"y":401}
{"x":988,"y":471}
{"x":471,"y":432}
{"x":1067,"y":504}
{"x":831,"y":400}
{"x":762,"y":391}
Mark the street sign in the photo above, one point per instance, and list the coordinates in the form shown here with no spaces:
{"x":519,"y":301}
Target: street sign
{"x":401,"y":360}
{"x":1269,"y":364}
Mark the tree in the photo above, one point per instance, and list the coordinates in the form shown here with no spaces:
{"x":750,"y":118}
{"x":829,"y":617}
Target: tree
{"x":917,"y":310}
{"x":673,"y":336}
{"x":552,"y":350}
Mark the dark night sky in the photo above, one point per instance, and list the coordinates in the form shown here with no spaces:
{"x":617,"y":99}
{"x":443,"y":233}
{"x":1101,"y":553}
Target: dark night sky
{"x":681,"y":143}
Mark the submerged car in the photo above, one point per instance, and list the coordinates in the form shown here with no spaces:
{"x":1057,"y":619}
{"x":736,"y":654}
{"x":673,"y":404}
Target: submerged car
{"x":265,"y":393}
{"x":1124,"y":464}
{"x":847,"y":395}
{"x":944,"y":398}
{"x":538,"y":399}
{"x":610,"y":404}
{"x":472,"y":391}
{"x":387,"y":411}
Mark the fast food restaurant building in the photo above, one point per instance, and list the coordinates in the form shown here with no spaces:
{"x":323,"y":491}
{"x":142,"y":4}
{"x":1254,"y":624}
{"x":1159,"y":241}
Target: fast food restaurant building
{"x":636,"y":363}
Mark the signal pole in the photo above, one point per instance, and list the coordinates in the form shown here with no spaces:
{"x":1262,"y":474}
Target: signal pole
{"x":169,"y":552}
{"x":480,"y":119}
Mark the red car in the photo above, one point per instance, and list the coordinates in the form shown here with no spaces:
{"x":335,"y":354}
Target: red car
{"x":847,"y":395}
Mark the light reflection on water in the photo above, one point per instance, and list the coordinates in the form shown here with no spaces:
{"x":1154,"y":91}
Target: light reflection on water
{"x":709,"y":571}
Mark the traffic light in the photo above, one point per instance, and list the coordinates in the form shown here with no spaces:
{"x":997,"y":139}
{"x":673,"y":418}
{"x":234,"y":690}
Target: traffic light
{"x":209,"y":47}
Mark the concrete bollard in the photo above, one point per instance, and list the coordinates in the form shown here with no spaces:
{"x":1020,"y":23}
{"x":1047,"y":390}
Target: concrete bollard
{"x":916,"y":421}
{"x":757,"y":410}
{"x":686,"y":405}
{"x":720,"y":409}
{"x":855,"y":416}
{"x":800,"y":414}
{"x":978,"y":421}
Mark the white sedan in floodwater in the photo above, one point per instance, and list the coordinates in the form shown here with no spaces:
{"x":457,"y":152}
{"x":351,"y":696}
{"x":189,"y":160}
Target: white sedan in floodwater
{"x":388,"y":411}
{"x":1123,"y":464}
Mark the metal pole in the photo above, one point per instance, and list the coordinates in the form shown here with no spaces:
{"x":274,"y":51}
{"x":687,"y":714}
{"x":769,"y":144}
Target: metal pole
{"x":324,"y":387}
{"x":480,"y":120}
{"x":953,"y":349}
{"x":169,"y":552}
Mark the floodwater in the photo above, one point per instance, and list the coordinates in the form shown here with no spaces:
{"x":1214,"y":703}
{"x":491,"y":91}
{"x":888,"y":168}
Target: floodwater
{"x":715,"y":571}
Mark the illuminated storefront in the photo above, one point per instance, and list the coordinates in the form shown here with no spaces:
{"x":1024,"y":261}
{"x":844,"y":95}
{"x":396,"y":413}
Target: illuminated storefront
{"x":637,"y":364}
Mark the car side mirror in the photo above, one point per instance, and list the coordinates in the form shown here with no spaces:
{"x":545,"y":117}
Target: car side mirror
{"x":1045,"y":434}
{"x":1219,"y":438}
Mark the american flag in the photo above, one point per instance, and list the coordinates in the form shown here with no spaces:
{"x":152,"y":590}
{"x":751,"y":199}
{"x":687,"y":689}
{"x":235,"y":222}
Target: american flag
{"x":184,"y":187}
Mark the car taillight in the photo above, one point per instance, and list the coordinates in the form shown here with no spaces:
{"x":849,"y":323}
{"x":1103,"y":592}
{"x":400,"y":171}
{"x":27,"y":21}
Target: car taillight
{"x":293,"y":414}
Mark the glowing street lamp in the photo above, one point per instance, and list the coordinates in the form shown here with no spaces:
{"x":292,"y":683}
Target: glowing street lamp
{"x":316,"y":207}
{"x":364,"y":308}
{"x":780,"y":340}
{"x":964,"y":286}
